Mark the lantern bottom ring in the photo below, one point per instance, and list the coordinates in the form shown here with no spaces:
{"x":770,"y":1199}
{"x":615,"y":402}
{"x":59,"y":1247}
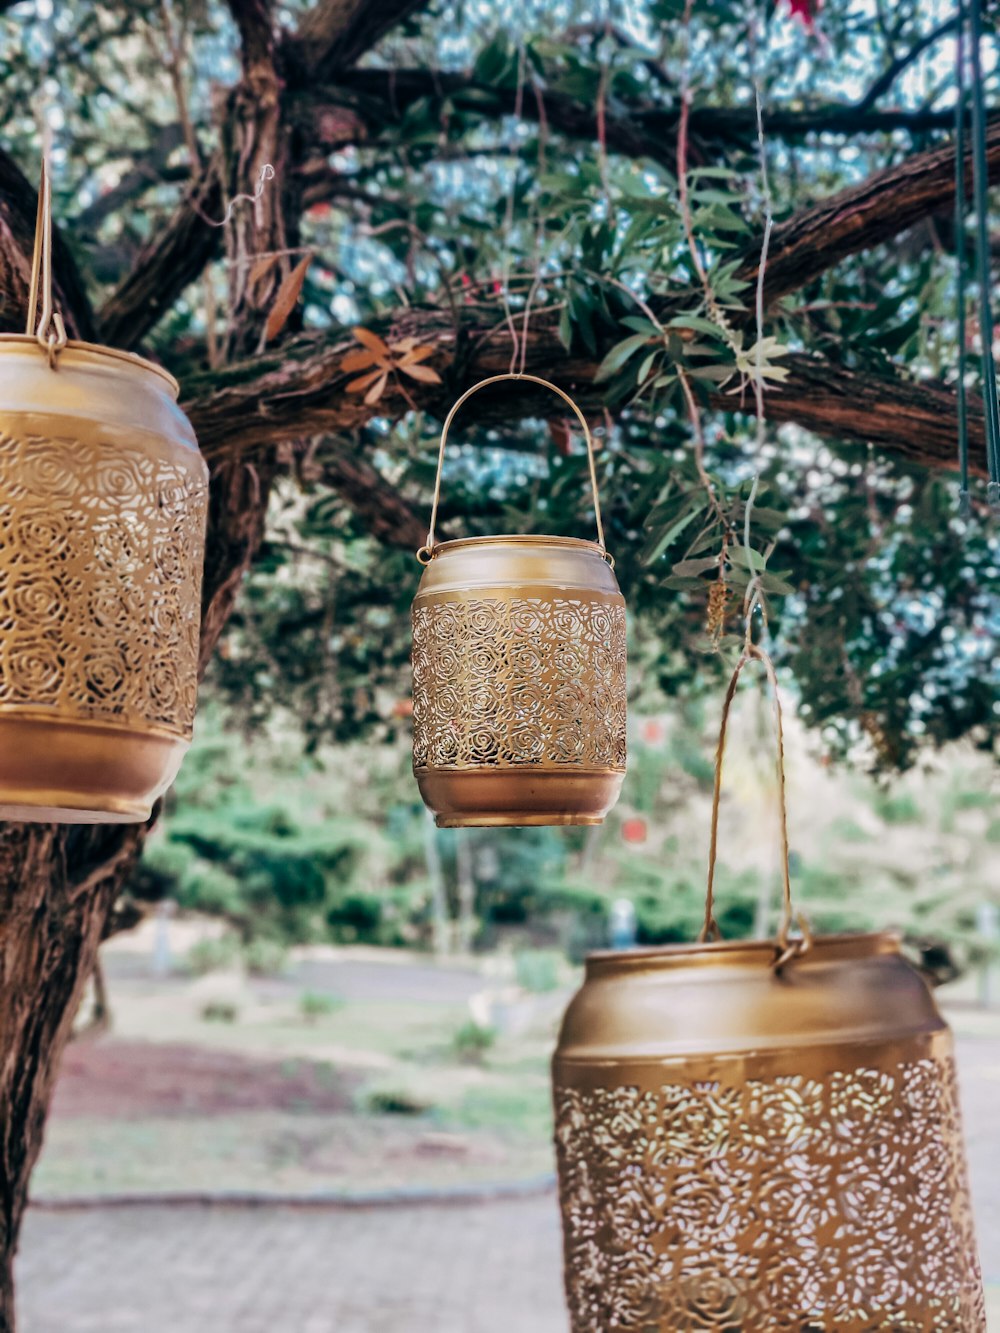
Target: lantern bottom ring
{"x":514,"y":821}
{"x":70,"y":772}
{"x":521,"y":797}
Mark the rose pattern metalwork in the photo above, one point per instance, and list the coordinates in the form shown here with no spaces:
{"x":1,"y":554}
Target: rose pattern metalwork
{"x":100,"y":579}
{"x":796,"y":1203}
{"x":512,"y":680}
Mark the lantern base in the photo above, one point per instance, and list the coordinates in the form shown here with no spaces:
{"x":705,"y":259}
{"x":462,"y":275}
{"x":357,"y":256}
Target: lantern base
{"x":54,"y":771}
{"x":487,"y":820}
{"x":518,"y":797}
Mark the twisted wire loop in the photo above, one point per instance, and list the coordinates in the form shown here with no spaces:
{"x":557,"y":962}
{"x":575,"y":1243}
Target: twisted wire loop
{"x":426,"y":552}
{"x":788,"y":946}
{"x":49,"y":328}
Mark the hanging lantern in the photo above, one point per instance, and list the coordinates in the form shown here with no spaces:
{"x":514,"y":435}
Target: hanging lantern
{"x":103,"y":500}
{"x":758,"y":1136}
{"x":518,"y":672}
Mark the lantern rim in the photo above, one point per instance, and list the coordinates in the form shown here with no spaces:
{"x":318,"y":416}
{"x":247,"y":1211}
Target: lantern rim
{"x":520,"y":539}
{"x":97,"y":350}
{"x":738,"y":953}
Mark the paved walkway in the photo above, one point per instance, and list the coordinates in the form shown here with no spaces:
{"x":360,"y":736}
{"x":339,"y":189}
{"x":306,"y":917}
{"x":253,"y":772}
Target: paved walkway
{"x":466,"y":1268}
{"x":458,"y":1268}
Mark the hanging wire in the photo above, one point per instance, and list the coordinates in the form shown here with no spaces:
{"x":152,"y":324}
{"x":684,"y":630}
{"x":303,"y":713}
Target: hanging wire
{"x":980,"y":183}
{"x":960,"y":273}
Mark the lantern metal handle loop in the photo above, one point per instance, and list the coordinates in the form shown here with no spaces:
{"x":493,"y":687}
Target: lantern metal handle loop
{"x":426,"y":552}
{"x":787,"y":946}
{"x":49,"y":330}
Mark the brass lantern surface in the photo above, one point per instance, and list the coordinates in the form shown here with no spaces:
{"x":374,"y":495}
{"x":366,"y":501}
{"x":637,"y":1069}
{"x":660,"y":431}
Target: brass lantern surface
{"x":744,"y":1148}
{"x":519,"y":689}
{"x":519,"y":682}
{"x":103,"y":503}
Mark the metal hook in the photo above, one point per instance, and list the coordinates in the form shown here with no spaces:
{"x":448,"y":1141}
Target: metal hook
{"x":49,"y":330}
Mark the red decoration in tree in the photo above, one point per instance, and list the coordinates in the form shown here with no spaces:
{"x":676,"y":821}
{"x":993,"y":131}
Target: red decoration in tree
{"x":806,"y":10}
{"x":634,"y":830}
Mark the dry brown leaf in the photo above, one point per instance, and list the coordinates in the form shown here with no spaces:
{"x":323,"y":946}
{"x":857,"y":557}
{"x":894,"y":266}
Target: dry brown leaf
{"x":373,"y":341}
{"x":422,"y":373}
{"x":362,"y":381}
{"x":377,"y":389}
{"x":417,"y":354}
{"x":287,"y":299}
{"x":359,"y":360}
{"x":261,"y":267}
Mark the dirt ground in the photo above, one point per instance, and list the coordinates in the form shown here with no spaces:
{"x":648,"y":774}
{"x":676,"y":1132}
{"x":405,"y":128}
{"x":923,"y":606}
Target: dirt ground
{"x":135,"y":1080}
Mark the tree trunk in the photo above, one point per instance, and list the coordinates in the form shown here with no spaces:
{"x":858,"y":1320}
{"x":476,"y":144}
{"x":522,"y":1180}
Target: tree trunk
{"x":51,"y":922}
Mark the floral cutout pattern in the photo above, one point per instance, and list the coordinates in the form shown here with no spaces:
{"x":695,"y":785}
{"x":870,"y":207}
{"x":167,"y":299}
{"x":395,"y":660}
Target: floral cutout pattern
{"x":799,"y":1204}
{"x":513,"y":680}
{"x":100,"y":581}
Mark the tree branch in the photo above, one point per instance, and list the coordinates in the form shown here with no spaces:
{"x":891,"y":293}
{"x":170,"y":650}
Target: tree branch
{"x":334,"y":34}
{"x":889,"y":76}
{"x":382,"y":96}
{"x":249,"y":407}
{"x":883,"y":205}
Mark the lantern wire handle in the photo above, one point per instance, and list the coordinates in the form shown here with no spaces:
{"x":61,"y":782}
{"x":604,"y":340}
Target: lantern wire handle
{"x":49,"y":329}
{"x":426,"y":552}
{"x":787,"y":946}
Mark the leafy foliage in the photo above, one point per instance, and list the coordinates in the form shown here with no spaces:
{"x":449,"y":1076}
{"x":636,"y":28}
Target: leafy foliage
{"x":532,"y":180}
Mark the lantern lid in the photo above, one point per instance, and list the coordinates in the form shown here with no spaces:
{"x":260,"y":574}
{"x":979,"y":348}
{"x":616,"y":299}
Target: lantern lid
{"x":520,"y":539}
{"x":76,"y":350}
{"x":738,"y":953}
{"x":726,"y":999}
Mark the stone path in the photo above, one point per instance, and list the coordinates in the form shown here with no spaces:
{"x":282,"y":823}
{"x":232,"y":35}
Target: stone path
{"x":456,"y":1268}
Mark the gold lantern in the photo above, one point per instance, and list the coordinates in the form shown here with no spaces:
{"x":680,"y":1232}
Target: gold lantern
{"x":756,"y":1137}
{"x":518,"y":671}
{"x":103,"y":500}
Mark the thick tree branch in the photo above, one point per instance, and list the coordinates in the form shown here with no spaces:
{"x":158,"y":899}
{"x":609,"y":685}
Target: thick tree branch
{"x":882,"y":206}
{"x":382,"y":96}
{"x":250,"y":407}
{"x":302,"y":391}
{"x":334,"y":34}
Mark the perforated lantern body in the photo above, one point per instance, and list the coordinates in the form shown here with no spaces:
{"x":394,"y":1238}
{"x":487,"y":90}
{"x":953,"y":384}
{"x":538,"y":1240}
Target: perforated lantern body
{"x":103,"y":500}
{"x":744,"y":1151}
{"x":519,"y":702}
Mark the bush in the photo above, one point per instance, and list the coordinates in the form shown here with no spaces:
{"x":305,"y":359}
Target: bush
{"x":318,"y":1004}
{"x":220,"y":1011}
{"x":472,"y":1041}
{"x":356,"y":918}
{"x":265,"y":958}
{"x":392,"y":1102}
{"x":212,"y":955}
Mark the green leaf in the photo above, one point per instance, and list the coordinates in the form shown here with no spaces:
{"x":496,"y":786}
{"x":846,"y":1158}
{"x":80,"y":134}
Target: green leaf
{"x":774,"y":583}
{"x":697,"y":323}
{"x":659,"y":541}
{"x":699,"y":566}
{"x":747,"y":557}
{"x":565,"y":328}
{"x":681,"y":584}
{"x":618,"y":355}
